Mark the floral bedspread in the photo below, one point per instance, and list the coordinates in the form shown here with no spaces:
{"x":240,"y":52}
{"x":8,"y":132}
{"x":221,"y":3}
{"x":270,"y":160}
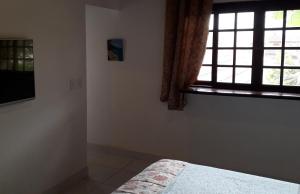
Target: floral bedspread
{"x":154,"y":179}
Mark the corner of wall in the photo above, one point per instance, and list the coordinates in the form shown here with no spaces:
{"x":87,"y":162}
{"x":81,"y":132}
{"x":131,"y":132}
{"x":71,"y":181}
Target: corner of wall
{"x":110,"y":4}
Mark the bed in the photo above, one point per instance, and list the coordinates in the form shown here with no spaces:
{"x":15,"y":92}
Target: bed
{"x":177,"y":177}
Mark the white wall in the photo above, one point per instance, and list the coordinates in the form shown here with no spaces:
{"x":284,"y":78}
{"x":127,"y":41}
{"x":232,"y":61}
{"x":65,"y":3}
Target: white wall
{"x":101,"y":25}
{"x":43,"y":141}
{"x":259,"y":136}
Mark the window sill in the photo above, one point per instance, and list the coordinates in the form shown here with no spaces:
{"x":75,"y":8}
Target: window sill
{"x":241,"y":93}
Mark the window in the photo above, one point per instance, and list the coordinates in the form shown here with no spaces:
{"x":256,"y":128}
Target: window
{"x":253,"y":46}
{"x":16,"y":55}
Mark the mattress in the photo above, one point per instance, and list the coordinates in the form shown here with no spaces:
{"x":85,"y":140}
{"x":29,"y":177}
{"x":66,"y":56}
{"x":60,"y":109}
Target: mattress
{"x":177,"y":177}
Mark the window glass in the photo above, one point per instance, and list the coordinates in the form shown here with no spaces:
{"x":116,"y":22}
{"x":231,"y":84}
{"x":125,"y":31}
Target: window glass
{"x":292,"y":38}
{"x":293,"y":18}
{"x":272,"y":57}
{"x":225,"y":57}
{"x":19,"y":66}
{"x":226,"y":39}
{"x":205,"y":73}
{"x":243,"y":75}
{"x":211,"y":22}
{"x":273,"y":38}
{"x":271,"y":76}
{"x":3,"y":64}
{"x":226,"y":21}
{"x":224,"y":74}
{"x":245,"y":20}
{"x":244,"y":39}
{"x":291,"y":77}
{"x":209,"y":40}
{"x":208,"y":57}
{"x":28,"y":65}
{"x":243,"y":57}
{"x":292,"y":58}
{"x":274,"y":19}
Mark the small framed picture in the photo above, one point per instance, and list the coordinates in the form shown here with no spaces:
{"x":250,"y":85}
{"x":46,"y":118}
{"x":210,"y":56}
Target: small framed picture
{"x":115,"y":49}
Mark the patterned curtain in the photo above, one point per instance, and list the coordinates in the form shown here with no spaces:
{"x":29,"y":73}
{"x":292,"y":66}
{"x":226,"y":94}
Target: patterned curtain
{"x":185,"y":42}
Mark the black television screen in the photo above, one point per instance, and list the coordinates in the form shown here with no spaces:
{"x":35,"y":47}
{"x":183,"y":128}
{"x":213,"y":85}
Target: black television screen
{"x":16,"y":70}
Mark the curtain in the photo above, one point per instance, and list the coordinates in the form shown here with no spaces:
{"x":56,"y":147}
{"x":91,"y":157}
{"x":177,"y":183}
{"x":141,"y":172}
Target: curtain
{"x":186,"y":32}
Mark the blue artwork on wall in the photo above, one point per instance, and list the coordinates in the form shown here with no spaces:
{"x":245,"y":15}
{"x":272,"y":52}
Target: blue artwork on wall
{"x":115,"y":49}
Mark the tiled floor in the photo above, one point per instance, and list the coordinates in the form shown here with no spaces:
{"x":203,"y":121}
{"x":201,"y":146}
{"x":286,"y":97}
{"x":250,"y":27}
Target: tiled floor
{"x":110,"y":168}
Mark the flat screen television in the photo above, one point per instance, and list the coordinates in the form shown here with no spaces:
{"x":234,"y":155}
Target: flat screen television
{"x":16,"y":70}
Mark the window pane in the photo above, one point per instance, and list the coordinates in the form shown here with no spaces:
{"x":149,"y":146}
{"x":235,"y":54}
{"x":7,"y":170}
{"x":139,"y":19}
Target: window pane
{"x":272,"y":57}
{"x":243,"y":75}
{"x":226,"y":21}
{"x":29,"y":53}
{"x":208,"y":57}
{"x":10,"y":65}
{"x":4,"y":53}
{"x":293,"y":18}
{"x":209,"y":40}
{"x":273,"y":38}
{"x":20,"y":53}
{"x":226,"y":39}
{"x":211,"y":22}
{"x":3,"y":43}
{"x":225,"y":57}
{"x":19,"y":65}
{"x":271,"y":76}
{"x":274,"y":19}
{"x":292,"y":58}
{"x":3,"y":64}
{"x":11,"y":53}
{"x":205,"y":73}
{"x":224,"y":74}
{"x":28,"y":43}
{"x":291,"y":77}
{"x":245,"y":20}
{"x":292,"y":38}
{"x":243,"y":57}
{"x":244,"y":39}
{"x":10,"y":43}
{"x":28,"y":65}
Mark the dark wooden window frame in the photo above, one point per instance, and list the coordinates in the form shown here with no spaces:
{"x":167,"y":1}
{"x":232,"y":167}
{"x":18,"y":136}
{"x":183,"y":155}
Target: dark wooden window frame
{"x":259,"y":8}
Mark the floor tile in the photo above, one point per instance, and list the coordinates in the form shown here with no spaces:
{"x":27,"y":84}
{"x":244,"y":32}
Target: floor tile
{"x":109,"y":168}
{"x":119,"y":179}
{"x":84,"y":187}
{"x":101,"y":173}
{"x":138,"y":166}
{"x":90,"y":187}
{"x":103,"y":189}
{"x":122,"y":153}
{"x":109,"y":160}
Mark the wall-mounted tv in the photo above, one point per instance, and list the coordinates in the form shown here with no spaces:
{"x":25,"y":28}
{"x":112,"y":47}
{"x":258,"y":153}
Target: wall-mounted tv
{"x":16,"y":70}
